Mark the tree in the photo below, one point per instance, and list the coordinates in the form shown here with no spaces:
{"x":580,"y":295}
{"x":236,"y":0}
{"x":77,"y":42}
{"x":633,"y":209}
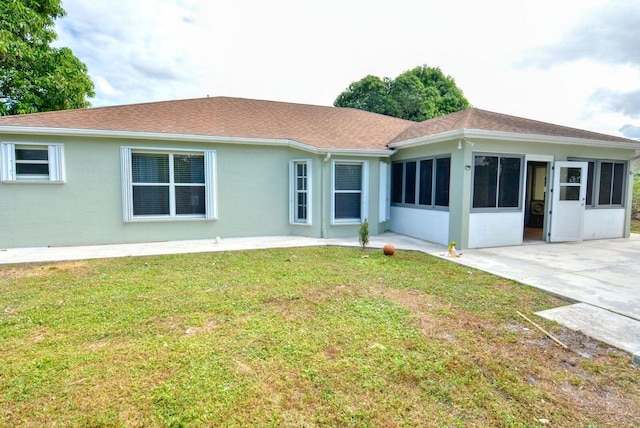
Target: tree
{"x":34,"y":76}
{"x":418,"y":94}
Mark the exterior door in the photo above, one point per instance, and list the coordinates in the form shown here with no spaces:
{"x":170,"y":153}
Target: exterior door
{"x":568,"y":201}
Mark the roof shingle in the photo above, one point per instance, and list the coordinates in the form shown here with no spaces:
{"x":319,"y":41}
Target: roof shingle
{"x":474,"y":118}
{"x":318,"y":126}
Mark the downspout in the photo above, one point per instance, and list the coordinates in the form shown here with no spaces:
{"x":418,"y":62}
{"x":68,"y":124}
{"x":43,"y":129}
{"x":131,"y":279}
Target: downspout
{"x":323,"y":197}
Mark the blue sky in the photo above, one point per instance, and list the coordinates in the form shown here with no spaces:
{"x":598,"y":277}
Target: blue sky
{"x":571,"y":62}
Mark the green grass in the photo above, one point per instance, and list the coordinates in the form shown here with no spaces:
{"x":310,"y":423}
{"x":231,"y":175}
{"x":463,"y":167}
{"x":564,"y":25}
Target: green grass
{"x":291,"y":337}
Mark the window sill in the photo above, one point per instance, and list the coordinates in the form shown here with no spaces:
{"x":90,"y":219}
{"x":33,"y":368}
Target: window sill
{"x":32,"y":181}
{"x":422,"y":207}
{"x":350,"y":222}
{"x":167,"y":219}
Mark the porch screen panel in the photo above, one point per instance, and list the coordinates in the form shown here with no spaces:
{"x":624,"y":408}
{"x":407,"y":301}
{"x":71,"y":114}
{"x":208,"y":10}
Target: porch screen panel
{"x":509,"y":186}
{"x":485,"y":181}
{"x":397,"y":174}
{"x":426,"y":182}
{"x":410,"y":183}
{"x":443,"y":174}
{"x":618,"y":184}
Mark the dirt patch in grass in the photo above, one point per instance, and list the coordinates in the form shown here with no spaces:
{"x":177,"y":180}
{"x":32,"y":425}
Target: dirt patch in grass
{"x":587,"y":383}
{"x":31,"y":270}
{"x":325,"y":338}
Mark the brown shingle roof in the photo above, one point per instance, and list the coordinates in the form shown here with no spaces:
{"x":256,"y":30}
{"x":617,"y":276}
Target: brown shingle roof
{"x":474,"y":118}
{"x":318,"y":126}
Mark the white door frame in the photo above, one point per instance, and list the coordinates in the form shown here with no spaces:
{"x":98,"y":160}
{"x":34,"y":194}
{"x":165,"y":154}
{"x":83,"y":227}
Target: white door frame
{"x":568,"y":200}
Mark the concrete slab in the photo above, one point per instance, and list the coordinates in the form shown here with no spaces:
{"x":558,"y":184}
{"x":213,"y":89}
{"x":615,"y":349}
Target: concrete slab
{"x":53,"y":254}
{"x":616,"y":330}
{"x":604,"y":273}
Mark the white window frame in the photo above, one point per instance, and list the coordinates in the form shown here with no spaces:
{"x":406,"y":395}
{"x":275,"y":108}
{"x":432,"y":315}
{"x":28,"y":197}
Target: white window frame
{"x":294,"y":191}
{"x":210,"y":182}
{"x":55,"y":161}
{"x":364,"y":192}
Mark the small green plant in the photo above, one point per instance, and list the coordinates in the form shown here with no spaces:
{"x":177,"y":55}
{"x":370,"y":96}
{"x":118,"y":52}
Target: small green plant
{"x":363,"y":234}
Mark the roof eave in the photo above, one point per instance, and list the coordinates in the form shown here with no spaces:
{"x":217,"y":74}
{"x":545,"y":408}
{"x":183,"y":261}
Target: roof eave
{"x":513,"y":136}
{"x":99,"y":133}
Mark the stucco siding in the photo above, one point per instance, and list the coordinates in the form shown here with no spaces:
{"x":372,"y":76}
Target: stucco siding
{"x":604,"y":223}
{"x":495,"y":229}
{"x":252,"y":196}
{"x":430,"y":225}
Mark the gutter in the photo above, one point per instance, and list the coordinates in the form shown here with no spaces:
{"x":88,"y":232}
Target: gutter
{"x":159,"y":136}
{"x":512,"y":136}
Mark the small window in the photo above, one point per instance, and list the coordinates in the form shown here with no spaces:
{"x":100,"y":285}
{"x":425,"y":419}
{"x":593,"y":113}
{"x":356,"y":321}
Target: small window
{"x":349,"y":192}
{"x":421,"y":183}
{"x":496,"y":181}
{"x":32,"y":162}
{"x":300,"y":198}
{"x":168,"y":185}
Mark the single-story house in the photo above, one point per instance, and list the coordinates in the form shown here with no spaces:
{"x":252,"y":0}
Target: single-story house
{"x":231,"y":167}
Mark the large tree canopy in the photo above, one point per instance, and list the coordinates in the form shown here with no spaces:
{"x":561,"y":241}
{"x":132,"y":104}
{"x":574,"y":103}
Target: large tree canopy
{"x":34,"y":76}
{"x":418,"y":94}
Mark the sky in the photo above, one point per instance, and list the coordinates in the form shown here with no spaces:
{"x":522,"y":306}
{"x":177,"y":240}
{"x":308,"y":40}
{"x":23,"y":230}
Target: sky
{"x":569,"y":62}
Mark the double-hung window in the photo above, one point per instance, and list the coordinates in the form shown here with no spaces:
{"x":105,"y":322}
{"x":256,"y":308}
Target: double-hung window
{"x":350,"y":187}
{"x":605,"y":182}
{"x":168,"y":185}
{"x":497,"y":181}
{"x":32,"y":162}
{"x":300,"y":193}
{"x":421,"y":183}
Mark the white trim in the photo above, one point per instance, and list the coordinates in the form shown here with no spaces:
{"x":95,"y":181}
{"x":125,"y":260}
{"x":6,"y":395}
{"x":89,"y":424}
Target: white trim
{"x":383,"y":191}
{"x":127,"y":195}
{"x":213,"y":139}
{"x":511,"y":136}
{"x":539,"y":158}
{"x":293,"y":192}
{"x":8,"y":165}
{"x":211,"y":184}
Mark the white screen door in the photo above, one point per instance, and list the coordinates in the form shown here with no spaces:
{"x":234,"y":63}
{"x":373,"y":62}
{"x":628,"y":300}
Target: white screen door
{"x":568,"y":201}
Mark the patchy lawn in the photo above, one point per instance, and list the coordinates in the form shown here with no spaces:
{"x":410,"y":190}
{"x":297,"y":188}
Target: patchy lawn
{"x":294,"y":337}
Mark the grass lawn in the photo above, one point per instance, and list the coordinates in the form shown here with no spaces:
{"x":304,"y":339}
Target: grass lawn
{"x":294,"y":337}
{"x":635,"y":226}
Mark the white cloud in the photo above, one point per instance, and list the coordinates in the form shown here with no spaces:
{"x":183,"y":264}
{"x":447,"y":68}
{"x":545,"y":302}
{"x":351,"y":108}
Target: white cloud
{"x":309,"y":52}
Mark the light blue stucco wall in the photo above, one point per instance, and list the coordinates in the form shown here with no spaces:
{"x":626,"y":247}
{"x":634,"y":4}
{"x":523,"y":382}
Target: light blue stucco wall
{"x":253,"y":197}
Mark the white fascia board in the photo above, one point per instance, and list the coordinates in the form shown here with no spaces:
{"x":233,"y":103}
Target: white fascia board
{"x":353,"y":152}
{"x":512,"y":136}
{"x":158,"y":136}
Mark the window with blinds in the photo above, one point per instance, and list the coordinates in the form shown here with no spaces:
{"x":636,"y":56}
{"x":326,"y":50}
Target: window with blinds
{"x":173,"y":185}
{"x":349,"y":195}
